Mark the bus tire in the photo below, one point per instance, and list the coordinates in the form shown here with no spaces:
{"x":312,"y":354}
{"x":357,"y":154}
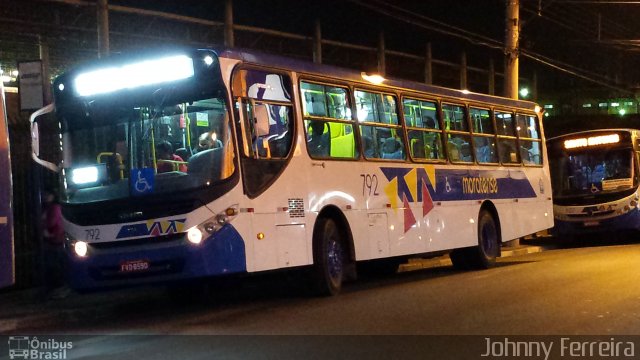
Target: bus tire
{"x":486,"y":252}
{"x":329,"y":258}
{"x":482,"y":256}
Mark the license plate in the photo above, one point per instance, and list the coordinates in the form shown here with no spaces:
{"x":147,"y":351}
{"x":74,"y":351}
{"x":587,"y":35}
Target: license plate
{"x":591,"y":223}
{"x":134,"y":266}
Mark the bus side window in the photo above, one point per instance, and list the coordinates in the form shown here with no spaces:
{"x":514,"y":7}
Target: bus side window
{"x":529,"y":138}
{"x":382,"y":135}
{"x":328,"y":123}
{"x":506,"y":130}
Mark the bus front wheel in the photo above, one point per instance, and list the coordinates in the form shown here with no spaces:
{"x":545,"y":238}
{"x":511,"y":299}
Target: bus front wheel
{"x":329,"y":258}
{"x":483,"y":255}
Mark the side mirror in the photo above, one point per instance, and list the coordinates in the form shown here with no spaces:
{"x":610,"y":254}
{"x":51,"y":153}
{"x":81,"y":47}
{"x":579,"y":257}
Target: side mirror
{"x":35,"y":137}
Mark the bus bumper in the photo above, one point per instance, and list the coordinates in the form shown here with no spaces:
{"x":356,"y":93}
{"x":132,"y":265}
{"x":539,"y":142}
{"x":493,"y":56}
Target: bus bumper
{"x":626,"y":222}
{"x":123,"y":265}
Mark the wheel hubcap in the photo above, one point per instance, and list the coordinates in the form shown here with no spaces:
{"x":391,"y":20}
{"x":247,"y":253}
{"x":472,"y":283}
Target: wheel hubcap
{"x":489,"y":242}
{"x":334,"y":260}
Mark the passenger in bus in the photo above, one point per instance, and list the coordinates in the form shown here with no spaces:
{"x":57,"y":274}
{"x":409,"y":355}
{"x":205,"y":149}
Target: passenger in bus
{"x":164,"y":151}
{"x":319,"y":140}
{"x":483,"y":150}
{"x":430,"y":122}
{"x":508,"y":152}
{"x":598,"y":173}
{"x":369,"y":147}
{"x":392,"y":148}
{"x":208,"y":140}
{"x":418,"y":149}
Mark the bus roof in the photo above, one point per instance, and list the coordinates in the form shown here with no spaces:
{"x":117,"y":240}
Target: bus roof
{"x":301,"y":66}
{"x":577,"y":133}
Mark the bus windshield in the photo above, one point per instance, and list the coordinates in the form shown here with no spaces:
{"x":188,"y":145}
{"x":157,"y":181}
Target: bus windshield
{"x":145,"y":149}
{"x":592,"y":172}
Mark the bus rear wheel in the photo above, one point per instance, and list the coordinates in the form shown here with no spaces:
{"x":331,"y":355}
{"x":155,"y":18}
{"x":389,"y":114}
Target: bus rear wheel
{"x":329,"y":258}
{"x":483,"y":255}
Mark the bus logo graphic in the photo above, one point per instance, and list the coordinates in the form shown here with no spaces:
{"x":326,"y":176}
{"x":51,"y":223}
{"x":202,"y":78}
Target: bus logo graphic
{"x":153,"y":228}
{"x":19,"y":347}
{"x":409,"y":186}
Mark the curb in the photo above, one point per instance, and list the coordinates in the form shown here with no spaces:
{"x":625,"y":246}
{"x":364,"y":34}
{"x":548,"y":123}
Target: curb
{"x":417,"y":263}
{"x":522,"y":251}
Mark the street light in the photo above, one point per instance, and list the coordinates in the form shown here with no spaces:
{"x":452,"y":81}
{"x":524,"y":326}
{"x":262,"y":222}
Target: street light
{"x":524,"y":92}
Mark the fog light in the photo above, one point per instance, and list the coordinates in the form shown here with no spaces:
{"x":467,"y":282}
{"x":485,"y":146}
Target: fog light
{"x":210,"y":227}
{"x":80,"y":247}
{"x":194,"y":236}
{"x":222,"y":219}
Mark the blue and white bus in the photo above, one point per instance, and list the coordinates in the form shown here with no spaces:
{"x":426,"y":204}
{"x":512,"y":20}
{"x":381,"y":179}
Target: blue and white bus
{"x":200,"y":163}
{"x":595,"y":181}
{"x":7,"y":260}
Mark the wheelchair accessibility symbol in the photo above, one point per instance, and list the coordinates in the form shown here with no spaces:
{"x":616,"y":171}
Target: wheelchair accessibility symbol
{"x":142,"y":181}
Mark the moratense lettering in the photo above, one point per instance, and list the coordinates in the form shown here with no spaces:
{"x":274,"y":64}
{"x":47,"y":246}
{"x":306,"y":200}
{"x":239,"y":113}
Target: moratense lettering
{"x":479,"y":185}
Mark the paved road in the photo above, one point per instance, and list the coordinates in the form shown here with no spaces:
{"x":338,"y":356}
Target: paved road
{"x":586,"y":290}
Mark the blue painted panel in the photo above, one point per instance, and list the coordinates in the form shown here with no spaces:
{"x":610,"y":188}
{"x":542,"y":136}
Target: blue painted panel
{"x":628,"y":221}
{"x":221,"y":254}
{"x":452,"y":184}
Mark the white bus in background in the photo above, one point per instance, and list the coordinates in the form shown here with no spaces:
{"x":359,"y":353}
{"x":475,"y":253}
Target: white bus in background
{"x":280,"y":164}
{"x":595,"y":182}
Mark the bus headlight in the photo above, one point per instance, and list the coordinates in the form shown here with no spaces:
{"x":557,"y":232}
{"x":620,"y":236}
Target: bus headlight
{"x":80,"y":248}
{"x":194,"y":235}
{"x":198,"y":233}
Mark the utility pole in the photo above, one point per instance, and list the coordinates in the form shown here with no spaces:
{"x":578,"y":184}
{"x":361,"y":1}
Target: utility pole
{"x":317,"y":43}
{"x":428,"y":70}
{"x":228,"y":24}
{"x":512,"y":37}
{"x":103,"y":28}
{"x":463,"y":72}
{"x":382,"y":67}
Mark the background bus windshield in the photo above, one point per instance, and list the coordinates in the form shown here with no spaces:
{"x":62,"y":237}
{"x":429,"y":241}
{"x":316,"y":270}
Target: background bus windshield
{"x":591,"y":172}
{"x":146,"y":150}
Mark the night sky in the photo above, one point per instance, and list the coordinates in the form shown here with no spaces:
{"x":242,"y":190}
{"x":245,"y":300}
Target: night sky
{"x":560,"y":30}
{"x":563,"y":32}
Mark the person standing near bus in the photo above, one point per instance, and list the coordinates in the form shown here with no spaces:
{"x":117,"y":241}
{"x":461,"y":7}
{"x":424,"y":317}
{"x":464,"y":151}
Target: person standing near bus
{"x":53,"y":244}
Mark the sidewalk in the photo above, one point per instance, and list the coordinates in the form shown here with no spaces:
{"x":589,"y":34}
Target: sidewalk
{"x":30,"y":308}
{"x":527,"y":246}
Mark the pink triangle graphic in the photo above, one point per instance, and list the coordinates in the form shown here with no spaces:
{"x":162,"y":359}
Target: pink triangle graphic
{"x":427,"y":201}
{"x":409,"y":219}
{"x":156,"y":229}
